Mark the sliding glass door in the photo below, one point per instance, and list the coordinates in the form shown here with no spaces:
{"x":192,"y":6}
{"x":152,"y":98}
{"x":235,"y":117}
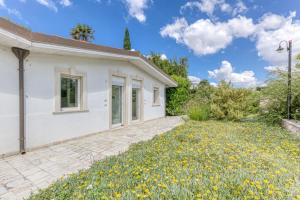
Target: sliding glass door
{"x":117,"y":105}
{"x":135,"y":104}
{"x":136,"y":100}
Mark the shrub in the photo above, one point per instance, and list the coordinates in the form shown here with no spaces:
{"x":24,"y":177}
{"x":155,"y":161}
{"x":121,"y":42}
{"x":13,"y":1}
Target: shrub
{"x":296,"y":116}
{"x":275,"y":97}
{"x":177,"y":97}
{"x":228,"y":103}
{"x":199,"y":112}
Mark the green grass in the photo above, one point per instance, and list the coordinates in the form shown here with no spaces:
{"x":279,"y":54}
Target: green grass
{"x":199,"y":160}
{"x":199,"y":112}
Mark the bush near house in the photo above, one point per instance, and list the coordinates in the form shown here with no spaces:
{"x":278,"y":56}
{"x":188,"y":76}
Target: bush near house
{"x":176,"y":98}
{"x":199,"y":160}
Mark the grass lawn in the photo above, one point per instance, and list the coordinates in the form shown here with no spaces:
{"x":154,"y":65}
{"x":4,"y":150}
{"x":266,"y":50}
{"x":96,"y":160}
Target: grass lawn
{"x":199,"y":160}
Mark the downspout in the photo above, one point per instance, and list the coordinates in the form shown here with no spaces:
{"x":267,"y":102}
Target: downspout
{"x":21,"y":54}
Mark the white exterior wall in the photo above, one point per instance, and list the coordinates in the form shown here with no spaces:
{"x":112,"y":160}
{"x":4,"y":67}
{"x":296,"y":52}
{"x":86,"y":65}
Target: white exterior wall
{"x":9,"y":102}
{"x":43,"y":126}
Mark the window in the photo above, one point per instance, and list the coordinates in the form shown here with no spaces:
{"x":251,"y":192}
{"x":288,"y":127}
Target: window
{"x":156,"y":96}
{"x":70,"y":92}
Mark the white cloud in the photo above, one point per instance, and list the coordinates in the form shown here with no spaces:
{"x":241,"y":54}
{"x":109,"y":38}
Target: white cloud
{"x":48,"y":3}
{"x":226,"y":72}
{"x":175,"y":30}
{"x":275,"y":68}
{"x":239,"y":8}
{"x":225,"y":7}
{"x":206,"y":37}
{"x":163,"y":57}
{"x":194,"y":80}
{"x":136,"y":8}
{"x":271,"y":21}
{"x":210,"y":6}
{"x":2,"y":3}
{"x":213,"y":84}
{"x":65,"y":3}
{"x":205,"y":6}
{"x":10,"y":10}
{"x":271,"y":30}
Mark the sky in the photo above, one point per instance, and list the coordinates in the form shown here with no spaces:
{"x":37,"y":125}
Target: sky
{"x":232,"y":40}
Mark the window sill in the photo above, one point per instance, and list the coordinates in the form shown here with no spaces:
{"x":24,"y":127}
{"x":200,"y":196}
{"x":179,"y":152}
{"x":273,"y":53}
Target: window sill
{"x":69,"y":112}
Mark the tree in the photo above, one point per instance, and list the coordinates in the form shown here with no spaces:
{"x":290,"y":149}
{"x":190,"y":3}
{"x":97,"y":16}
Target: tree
{"x":127,"y":42}
{"x":228,"y":103}
{"x":176,"y":98}
{"x":172,"y":66}
{"x":202,"y":93}
{"x":82,"y":32}
{"x":274,"y":95}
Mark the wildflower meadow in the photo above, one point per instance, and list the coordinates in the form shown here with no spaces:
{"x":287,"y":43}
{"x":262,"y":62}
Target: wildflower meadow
{"x":198,"y":160}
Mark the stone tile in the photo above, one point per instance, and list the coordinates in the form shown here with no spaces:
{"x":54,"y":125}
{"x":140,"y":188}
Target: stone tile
{"x":22,"y":174}
{"x":31,"y":171}
{"x":8,"y":196}
{"x":38,"y":176}
{"x":3,"y":190}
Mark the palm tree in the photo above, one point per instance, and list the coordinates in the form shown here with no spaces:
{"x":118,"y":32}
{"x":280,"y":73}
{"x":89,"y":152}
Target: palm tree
{"x":82,"y":32}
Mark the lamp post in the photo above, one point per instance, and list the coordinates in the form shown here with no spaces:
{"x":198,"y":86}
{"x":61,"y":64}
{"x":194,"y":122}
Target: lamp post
{"x":289,"y":96}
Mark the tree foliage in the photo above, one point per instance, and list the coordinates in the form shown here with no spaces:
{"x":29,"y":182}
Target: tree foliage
{"x":176,"y":98}
{"x":230,"y":103}
{"x":224,"y":101}
{"x":82,"y":32}
{"x":171,"y":67}
{"x":274,"y":96}
{"x":202,"y":93}
{"x":127,"y":42}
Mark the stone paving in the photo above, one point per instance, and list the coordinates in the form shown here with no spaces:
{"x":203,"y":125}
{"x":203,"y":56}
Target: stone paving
{"x":22,"y":174}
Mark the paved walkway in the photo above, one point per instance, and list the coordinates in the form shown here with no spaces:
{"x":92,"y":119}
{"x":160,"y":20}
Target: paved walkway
{"x":21,"y":175}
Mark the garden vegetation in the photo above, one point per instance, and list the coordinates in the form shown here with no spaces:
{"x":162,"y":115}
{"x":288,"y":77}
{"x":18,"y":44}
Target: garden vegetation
{"x":176,"y":98}
{"x":274,"y":96}
{"x":198,"y":160}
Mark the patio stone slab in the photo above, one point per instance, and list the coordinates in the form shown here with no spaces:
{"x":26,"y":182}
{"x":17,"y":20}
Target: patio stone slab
{"x":22,"y":174}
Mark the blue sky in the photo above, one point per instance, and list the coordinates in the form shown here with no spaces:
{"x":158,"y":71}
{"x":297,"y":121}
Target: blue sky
{"x":234,"y":40}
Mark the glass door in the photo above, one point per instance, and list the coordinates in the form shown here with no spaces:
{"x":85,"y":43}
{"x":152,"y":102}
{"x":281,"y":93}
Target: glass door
{"x":117,"y":110}
{"x":135,"y":104}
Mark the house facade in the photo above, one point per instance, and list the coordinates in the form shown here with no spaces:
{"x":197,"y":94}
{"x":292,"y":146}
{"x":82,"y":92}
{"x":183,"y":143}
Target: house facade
{"x":54,"y":89}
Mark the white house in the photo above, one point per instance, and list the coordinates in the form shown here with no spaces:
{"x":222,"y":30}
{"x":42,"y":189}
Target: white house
{"x":54,"y":89}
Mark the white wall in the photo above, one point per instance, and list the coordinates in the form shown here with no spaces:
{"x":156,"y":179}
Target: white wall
{"x":9,"y":102}
{"x":42,"y":125}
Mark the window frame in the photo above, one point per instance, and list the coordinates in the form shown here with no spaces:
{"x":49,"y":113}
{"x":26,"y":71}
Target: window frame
{"x":78,"y":96}
{"x":82,"y":93}
{"x":156,"y":101}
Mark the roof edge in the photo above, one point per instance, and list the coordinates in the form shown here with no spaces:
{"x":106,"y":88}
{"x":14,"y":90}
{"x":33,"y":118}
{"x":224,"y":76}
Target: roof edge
{"x":35,"y":37}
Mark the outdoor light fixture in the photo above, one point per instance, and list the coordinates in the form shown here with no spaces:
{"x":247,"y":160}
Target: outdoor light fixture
{"x":280,"y":49}
{"x":289,"y":49}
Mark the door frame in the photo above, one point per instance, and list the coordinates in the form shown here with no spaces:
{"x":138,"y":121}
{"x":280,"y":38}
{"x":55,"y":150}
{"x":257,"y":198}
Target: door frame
{"x":122,"y":108}
{"x":124,"y":98}
{"x":141,"y":112}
